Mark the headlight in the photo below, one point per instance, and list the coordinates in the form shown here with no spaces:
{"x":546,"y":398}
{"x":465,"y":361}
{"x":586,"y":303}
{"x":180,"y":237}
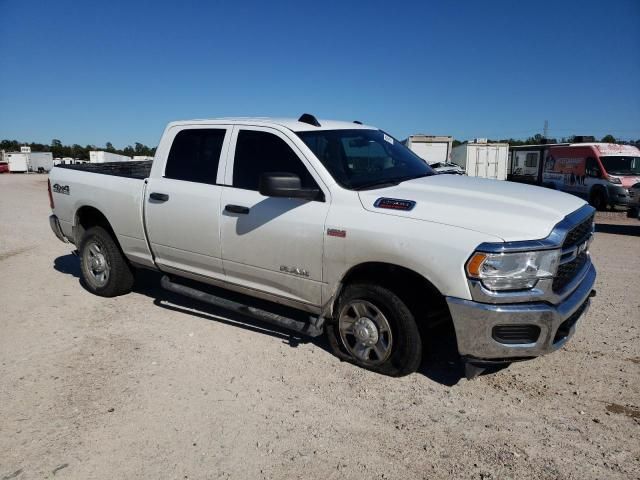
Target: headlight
{"x":615,"y":180}
{"x":512,"y":271}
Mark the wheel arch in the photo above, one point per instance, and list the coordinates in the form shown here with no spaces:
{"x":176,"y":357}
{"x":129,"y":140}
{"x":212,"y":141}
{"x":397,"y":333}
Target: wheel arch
{"x":599,"y":189}
{"x":423,"y":298}
{"x":88,"y":216}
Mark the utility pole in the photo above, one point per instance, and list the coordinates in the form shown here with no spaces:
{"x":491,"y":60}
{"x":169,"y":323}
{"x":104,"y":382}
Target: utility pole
{"x":545,"y":131}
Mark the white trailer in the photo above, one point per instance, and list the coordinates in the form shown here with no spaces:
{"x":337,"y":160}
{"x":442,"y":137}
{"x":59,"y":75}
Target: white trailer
{"x":105,"y":157}
{"x":68,"y":161}
{"x":480,"y":159}
{"x":18,"y":162}
{"x":431,"y":148}
{"x":40,"y":162}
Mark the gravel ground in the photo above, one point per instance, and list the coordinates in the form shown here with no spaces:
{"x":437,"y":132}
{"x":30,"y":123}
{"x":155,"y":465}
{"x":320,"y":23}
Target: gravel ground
{"x":150,"y":385}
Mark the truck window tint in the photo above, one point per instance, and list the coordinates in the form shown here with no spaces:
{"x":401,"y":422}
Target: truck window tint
{"x":260,"y":152}
{"x":195,"y":155}
{"x":361,"y":158}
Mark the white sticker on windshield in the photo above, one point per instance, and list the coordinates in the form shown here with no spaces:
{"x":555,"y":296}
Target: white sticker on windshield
{"x":387,"y":138}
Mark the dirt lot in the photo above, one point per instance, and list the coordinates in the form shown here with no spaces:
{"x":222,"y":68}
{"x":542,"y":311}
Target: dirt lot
{"x":154,"y":386}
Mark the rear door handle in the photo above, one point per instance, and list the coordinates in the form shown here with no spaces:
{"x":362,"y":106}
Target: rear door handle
{"x":236,"y":209}
{"x":159,"y":197}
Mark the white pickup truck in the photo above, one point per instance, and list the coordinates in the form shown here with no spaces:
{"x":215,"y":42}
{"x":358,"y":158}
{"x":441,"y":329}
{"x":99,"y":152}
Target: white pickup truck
{"x":340,"y":221}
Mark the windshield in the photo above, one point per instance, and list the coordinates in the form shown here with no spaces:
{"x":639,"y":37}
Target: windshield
{"x":359,"y":159}
{"x":621,"y":165}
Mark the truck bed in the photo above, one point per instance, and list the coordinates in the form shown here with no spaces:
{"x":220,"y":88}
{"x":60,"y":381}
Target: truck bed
{"x":116,"y":190}
{"x":138,"y":170}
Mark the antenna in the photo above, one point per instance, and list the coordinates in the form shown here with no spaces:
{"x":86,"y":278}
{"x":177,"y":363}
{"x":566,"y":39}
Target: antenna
{"x":545,"y":131}
{"x":310,"y":119}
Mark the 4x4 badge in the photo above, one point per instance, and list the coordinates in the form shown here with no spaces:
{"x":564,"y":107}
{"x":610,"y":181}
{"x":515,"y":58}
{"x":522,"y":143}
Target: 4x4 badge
{"x":64,"y":189}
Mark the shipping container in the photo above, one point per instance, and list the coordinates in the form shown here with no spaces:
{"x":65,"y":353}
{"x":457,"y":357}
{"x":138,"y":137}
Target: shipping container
{"x":486,"y":160}
{"x":106,"y":157}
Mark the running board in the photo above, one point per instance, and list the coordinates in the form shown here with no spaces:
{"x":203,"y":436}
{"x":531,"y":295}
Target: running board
{"x":313,"y":328}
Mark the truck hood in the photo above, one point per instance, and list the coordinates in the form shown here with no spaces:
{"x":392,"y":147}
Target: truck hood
{"x":510,"y":211}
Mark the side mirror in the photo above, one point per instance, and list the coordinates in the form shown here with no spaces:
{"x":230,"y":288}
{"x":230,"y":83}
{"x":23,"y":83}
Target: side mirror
{"x":287,"y":185}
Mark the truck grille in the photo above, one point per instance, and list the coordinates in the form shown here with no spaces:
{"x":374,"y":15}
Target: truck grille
{"x":567,"y":271}
{"x":579,"y":233}
{"x":576,"y":236}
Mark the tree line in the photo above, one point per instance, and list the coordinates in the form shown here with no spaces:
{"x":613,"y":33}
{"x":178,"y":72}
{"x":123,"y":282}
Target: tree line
{"x":76,"y":151}
{"x":538,"y":139}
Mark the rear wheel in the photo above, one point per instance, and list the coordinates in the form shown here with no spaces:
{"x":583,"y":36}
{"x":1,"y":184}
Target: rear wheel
{"x":374,"y":329}
{"x":104,"y":269}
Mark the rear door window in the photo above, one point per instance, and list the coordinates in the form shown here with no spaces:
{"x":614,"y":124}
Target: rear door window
{"x":531,"y":160}
{"x":259,"y":152}
{"x":195,"y":155}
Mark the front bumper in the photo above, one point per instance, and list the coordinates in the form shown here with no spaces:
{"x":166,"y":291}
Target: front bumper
{"x":618,"y":195}
{"x":634,"y":197}
{"x":474,"y":323}
{"x":57,"y":229}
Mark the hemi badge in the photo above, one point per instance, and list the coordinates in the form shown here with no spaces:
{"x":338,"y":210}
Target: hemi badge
{"x":334,"y":232}
{"x":395,"y":204}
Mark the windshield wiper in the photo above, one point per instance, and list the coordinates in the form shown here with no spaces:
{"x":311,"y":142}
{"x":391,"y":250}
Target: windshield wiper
{"x":387,"y":182}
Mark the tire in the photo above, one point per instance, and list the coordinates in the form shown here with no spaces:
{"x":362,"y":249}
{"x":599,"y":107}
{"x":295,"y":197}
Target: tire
{"x":103,"y":268}
{"x":598,"y":200}
{"x":357,"y":306}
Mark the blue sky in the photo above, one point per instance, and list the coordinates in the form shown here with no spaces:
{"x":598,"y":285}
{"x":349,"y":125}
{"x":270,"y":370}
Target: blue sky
{"x":96,"y":71}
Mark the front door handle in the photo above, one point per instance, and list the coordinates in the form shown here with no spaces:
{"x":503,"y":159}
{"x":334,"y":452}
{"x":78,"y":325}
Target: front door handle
{"x":236,"y":209}
{"x":159,"y":197}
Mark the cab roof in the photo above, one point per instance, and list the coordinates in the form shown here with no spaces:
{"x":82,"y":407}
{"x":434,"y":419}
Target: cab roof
{"x":293,"y":124}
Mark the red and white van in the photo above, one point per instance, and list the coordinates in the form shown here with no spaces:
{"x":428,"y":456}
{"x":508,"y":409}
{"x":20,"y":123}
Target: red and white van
{"x":602,"y":173}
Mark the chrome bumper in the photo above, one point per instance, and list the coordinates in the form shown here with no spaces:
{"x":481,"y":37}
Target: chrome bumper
{"x":474,"y":323}
{"x":57,"y":230}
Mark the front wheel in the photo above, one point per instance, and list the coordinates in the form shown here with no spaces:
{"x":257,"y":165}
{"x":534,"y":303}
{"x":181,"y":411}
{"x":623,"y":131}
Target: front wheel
{"x":104,"y":269}
{"x":374,"y":329}
{"x":598,"y":200}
